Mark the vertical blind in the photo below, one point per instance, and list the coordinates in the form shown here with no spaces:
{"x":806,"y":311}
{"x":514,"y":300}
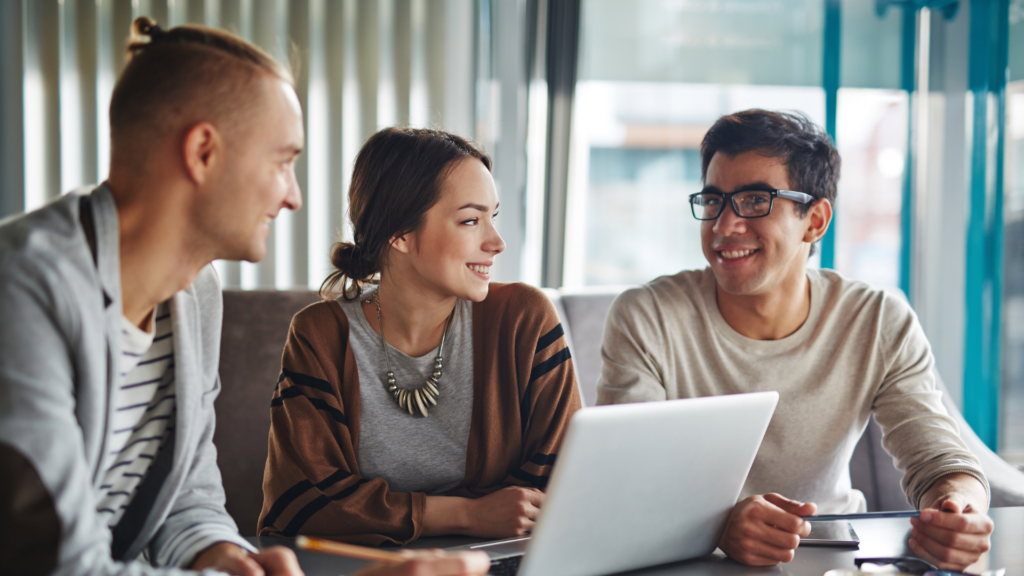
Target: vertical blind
{"x":362,"y":65}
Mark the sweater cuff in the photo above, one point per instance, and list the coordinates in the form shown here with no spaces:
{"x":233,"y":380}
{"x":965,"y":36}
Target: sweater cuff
{"x":418,"y":505}
{"x":190,"y":543}
{"x":980,"y":476}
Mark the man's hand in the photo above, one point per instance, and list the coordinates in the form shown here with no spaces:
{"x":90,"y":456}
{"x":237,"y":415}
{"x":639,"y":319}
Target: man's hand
{"x":229,"y":558}
{"x":764,"y":530}
{"x":511,"y":511}
{"x":953,"y":530}
{"x":433,"y":563}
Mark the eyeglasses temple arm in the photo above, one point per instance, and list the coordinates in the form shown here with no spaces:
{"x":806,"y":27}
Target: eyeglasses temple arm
{"x":801,"y":197}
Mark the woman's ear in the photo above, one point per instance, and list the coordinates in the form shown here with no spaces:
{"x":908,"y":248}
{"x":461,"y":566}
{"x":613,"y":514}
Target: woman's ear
{"x":402,"y":243}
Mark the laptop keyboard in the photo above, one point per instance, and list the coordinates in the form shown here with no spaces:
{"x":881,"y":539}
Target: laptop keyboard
{"x":506,"y":566}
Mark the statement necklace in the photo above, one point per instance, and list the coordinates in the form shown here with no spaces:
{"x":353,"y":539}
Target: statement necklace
{"x":415,"y":399}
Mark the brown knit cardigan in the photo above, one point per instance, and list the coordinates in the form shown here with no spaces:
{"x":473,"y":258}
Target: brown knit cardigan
{"x":524,"y":392}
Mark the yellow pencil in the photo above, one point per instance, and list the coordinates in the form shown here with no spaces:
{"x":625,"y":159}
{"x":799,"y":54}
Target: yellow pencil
{"x":350,"y":550}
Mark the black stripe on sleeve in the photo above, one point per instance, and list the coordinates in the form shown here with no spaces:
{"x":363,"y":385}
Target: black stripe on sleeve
{"x":334,"y":412}
{"x":543,"y":459}
{"x":302,"y":516}
{"x":524,"y":409}
{"x":550,"y":338}
{"x":538,"y":481}
{"x":319,"y":404}
{"x":285,"y":499}
{"x":287,"y":393}
{"x":307,"y":381}
{"x":333,"y":479}
{"x":525,"y":405}
{"x":291,"y":494}
{"x":549,"y":364}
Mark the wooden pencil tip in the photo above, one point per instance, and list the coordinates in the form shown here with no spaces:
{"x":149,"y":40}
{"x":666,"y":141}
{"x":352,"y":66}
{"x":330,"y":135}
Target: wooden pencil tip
{"x":302,"y":542}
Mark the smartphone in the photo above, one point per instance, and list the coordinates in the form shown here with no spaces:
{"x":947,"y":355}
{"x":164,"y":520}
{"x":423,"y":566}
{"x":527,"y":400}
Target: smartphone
{"x":834,"y":533}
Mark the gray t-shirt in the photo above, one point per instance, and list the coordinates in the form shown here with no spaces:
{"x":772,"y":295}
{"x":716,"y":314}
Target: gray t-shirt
{"x":413,"y":453}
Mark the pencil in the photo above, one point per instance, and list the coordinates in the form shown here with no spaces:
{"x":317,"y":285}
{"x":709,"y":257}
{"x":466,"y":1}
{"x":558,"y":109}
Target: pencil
{"x":863,"y":516}
{"x":350,"y":550}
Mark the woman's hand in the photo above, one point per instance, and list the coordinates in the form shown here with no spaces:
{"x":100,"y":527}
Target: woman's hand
{"x":433,"y":563}
{"x":511,"y":511}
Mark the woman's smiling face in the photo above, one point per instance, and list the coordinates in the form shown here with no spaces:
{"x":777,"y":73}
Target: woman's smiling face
{"x":454,"y":248}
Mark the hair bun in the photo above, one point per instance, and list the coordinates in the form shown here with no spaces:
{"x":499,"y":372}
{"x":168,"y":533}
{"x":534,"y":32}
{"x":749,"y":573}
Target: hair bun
{"x":146,"y":26}
{"x":351,"y":260}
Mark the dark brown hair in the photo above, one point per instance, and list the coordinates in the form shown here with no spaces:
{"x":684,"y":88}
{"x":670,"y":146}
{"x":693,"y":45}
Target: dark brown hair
{"x":181,"y":76}
{"x":807,"y":150}
{"x":397,"y":177}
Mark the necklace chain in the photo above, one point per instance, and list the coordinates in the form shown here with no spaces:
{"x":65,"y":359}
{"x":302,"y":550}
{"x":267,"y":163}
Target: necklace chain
{"x":416,"y":399}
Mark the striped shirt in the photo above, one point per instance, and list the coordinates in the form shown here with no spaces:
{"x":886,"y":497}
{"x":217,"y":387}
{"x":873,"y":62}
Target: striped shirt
{"x":144,"y":411}
{"x":144,"y":405}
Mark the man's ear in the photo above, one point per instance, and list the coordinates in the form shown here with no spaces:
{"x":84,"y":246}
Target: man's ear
{"x":202,"y":150}
{"x":819,"y":217}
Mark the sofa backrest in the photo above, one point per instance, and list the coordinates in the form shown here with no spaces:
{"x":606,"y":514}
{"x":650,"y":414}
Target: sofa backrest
{"x":585,"y":313}
{"x":256,"y":325}
{"x":255,"y":328}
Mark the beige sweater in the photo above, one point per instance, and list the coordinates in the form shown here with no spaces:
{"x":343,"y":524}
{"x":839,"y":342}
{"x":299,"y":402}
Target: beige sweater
{"x":860,"y":351}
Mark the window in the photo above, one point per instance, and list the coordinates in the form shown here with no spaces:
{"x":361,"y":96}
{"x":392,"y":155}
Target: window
{"x":653,"y":77}
{"x":1012,"y":402}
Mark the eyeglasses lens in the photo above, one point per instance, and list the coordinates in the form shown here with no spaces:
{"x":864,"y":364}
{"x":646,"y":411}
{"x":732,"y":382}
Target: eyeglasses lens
{"x":706,"y":206}
{"x":748,"y":204}
{"x":753,"y":203}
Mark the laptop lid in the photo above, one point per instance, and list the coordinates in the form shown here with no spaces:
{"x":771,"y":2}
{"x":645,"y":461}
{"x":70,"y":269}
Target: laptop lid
{"x":644,"y":484}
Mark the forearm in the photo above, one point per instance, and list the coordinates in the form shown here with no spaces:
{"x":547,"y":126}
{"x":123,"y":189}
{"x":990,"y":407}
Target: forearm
{"x":969,"y":488}
{"x":445,"y":515}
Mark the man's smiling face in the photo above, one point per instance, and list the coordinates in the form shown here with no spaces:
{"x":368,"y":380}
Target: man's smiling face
{"x":754,"y":256}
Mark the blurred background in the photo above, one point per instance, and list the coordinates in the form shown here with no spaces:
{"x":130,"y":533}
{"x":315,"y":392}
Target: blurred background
{"x":593,"y":111}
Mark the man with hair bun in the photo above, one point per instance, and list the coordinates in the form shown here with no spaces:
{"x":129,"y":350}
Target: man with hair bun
{"x":837,"y":350}
{"x":111,"y":324}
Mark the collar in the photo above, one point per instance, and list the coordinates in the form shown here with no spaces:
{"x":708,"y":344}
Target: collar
{"x":106,"y":236}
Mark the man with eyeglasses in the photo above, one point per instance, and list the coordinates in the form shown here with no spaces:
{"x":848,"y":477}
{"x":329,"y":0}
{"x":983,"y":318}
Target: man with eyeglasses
{"x":836,"y":350}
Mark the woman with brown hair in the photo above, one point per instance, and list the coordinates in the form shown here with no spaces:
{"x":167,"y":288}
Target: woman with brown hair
{"x":429,"y":401}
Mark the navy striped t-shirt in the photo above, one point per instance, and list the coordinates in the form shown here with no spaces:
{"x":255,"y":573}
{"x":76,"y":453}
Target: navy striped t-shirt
{"x":144,"y":405}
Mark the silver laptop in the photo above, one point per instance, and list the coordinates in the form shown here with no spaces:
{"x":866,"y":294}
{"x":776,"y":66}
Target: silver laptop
{"x":638,"y":485}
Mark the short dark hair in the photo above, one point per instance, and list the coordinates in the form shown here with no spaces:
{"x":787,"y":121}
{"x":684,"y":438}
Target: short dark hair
{"x":397,"y":177}
{"x":807,"y":150}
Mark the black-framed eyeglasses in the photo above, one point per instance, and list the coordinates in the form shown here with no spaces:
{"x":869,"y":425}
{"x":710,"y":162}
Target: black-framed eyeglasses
{"x":911,"y":565}
{"x":745,"y":203}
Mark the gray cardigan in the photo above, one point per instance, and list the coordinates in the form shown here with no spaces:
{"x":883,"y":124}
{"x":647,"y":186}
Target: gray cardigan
{"x":59,"y":337}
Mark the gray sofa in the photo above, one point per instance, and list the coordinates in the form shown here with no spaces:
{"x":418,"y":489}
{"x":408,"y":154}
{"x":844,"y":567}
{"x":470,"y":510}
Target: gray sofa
{"x":255,"y":328}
